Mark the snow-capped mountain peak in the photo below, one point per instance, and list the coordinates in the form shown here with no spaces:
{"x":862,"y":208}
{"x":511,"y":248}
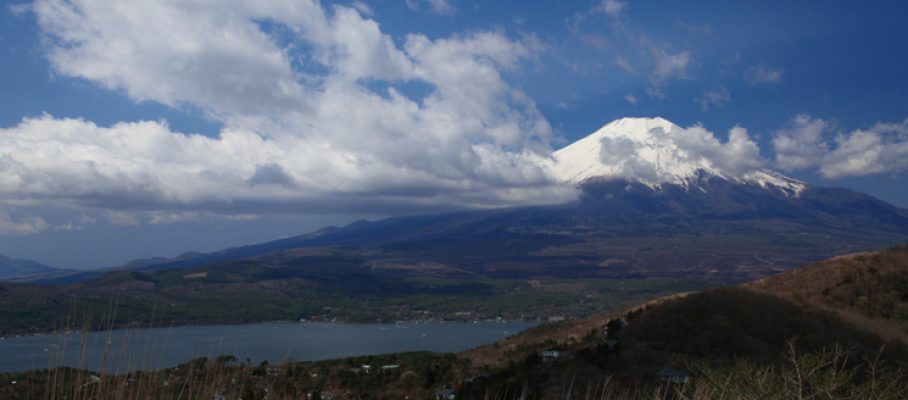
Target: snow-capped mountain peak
{"x":655,"y":151}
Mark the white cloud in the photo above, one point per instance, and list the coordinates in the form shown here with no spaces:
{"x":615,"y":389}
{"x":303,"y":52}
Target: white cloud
{"x":667,"y":65}
{"x":76,"y":224}
{"x":881,"y":149}
{"x":28,"y":225}
{"x":670,"y":65}
{"x":808,"y":143}
{"x":661,"y":60}
{"x":737,"y":156}
{"x":575,"y":22}
{"x":624,"y":64}
{"x":631,"y":99}
{"x":144,"y":166}
{"x":440,"y":7}
{"x":315,"y":112}
{"x":363,"y":8}
{"x":173,"y":217}
{"x":801,"y":144}
{"x":217,"y":59}
{"x":701,"y":29}
{"x":599,"y":42}
{"x":711,"y":98}
{"x":611,"y":8}
{"x":758,"y":75}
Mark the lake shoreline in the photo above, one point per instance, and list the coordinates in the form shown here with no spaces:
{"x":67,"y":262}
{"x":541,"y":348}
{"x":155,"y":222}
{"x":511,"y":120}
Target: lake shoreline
{"x":162,"y":347}
{"x":175,"y":324}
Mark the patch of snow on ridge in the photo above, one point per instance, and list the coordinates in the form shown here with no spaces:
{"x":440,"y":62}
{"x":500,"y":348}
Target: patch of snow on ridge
{"x":766,"y":178}
{"x":655,"y":151}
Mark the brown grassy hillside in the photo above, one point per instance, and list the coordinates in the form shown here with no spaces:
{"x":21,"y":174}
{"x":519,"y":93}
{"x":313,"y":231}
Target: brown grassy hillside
{"x":564,"y":333}
{"x":868,"y":289}
{"x":849,"y":299}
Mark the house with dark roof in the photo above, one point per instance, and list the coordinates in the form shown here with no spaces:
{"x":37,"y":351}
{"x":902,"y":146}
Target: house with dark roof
{"x":551,"y":354}
{"x":672,"y":375}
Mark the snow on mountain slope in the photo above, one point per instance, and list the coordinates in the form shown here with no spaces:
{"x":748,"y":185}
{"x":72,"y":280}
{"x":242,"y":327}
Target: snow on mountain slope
{"x":654,"y":151}
{"x":767,"y":178}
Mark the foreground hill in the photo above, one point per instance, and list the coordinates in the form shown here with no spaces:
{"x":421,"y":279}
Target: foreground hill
{"x":835,"y":289}
{"x":751,"y":341}
{"x":729,"y":343}
{"x":869,"y":289}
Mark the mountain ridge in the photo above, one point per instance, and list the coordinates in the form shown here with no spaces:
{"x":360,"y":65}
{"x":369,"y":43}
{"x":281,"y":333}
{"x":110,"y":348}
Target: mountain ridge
{"x":16,"y":269}
{"x":614,"y":211}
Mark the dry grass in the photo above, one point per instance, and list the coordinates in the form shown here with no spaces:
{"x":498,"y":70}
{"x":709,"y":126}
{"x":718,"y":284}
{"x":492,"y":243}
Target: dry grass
{"x":870,"y":290}
{"x":563,"y":333}
{"x":829,"y":374}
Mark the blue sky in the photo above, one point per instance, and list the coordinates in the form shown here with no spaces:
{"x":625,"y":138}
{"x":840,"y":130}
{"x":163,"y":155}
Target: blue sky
{"x":153,"y":129}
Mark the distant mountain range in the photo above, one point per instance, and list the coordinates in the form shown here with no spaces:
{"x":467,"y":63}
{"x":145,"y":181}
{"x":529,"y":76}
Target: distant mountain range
{"x":13,"y":268}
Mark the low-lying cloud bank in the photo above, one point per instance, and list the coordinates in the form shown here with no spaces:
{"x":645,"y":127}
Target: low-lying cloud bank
{"x":145,"y":166}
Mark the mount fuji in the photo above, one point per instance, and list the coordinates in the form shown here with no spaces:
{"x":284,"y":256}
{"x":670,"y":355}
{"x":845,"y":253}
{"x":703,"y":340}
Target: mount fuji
{"x":656,"y":200}
{"x":656,"y":152}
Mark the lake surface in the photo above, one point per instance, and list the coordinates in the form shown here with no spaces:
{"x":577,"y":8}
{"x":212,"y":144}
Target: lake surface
{"x":155,"y":348}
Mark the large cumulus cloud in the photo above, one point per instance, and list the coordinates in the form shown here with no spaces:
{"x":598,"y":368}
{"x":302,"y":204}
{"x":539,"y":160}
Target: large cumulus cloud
{"x":317,"y":105}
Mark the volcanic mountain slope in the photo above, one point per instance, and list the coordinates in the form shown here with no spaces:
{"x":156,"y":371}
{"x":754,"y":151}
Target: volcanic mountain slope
{"x":660,"y":209}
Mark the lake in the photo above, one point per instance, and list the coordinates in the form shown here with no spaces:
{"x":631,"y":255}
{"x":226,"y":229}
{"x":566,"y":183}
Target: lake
{"x":155,"y":348}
